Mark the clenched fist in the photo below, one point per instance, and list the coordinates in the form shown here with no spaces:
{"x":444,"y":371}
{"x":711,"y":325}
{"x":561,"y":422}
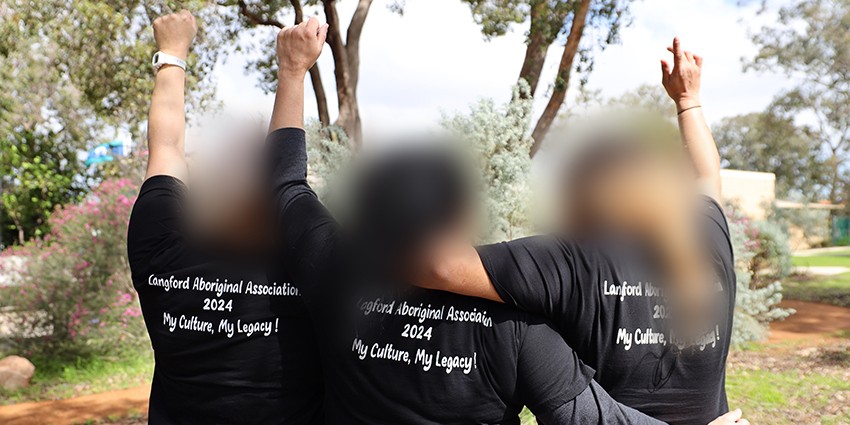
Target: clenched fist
{"x":683,"y":81}
{"x":174,"y":33}
{"x":299,"y":47}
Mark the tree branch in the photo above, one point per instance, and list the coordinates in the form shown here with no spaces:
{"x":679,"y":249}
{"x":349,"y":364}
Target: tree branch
{"x":352,"y":42}
{"x":562,"y":79}
{"x":255,"y":18}
{"x":315,"y":75}
{"x":348,"y":114}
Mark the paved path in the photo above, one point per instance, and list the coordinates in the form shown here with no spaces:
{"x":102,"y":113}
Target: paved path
{"x":77,"y":410}
{"x":821,"y":251}
{"x":821,"y":270}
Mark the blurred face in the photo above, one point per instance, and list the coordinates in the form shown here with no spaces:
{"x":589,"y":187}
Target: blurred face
{"x":228,"y":204}
{"x":629,"y":195}
{"x":409,"y":200}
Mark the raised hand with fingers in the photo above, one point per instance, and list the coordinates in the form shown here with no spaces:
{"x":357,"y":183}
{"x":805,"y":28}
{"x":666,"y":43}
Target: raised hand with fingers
{"x":299,"y":47}
{"x":174,"y":33}
{"x":682,"y":81}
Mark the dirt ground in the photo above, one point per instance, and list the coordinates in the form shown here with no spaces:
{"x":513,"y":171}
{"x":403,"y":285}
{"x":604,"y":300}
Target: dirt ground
{"x":813,"y":322}
{"x":78,"y":410}
{"x":806,"y":338}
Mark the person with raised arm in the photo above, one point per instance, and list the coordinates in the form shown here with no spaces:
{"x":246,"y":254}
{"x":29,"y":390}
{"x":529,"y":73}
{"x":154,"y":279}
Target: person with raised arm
{"x":641,"y":282}
{"x":231,"y":339}
{"x":394,"y":353}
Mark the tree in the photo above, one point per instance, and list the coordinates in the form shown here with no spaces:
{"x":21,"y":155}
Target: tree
{"x":765,"y":141}
{"x":255,"y":16}
{"x":648,"y":98}
{"x":75,"y":73}
{"x":346,"y":54}
{"x":38,"y":174}
{"x":102,"y":49}
{"x":498,"y":135}
{"x":549,"y":19}
{"x":811,"y":45}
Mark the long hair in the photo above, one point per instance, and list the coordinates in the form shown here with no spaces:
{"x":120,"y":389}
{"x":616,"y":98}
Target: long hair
{"x":633,"y":183}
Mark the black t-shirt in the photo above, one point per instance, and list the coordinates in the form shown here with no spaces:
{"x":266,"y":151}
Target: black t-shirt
{"x":605,"y":301}
{"x":394,"y":354}
{"x":232,"y":340}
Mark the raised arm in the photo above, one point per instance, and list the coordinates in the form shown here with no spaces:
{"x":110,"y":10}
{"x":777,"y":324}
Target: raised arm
{"x":307,"y":230}
{"x":682,"y":83}
{"x":167,"y":118}
{"x":298,"y":48}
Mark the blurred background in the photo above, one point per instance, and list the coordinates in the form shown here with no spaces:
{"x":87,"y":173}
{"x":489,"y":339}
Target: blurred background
{"x":510,"y":76}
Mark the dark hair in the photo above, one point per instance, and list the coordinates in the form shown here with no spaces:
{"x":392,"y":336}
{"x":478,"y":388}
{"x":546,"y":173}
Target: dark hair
{"x":404,"y":196}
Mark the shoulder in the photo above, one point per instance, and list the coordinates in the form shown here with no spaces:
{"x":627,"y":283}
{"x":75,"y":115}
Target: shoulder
{"x":161,"y":185}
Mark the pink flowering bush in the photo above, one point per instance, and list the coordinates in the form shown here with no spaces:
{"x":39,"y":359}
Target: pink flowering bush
{"x":74,"y":295}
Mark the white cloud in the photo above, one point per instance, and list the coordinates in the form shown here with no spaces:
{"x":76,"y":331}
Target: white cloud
{"x":435,"y":59}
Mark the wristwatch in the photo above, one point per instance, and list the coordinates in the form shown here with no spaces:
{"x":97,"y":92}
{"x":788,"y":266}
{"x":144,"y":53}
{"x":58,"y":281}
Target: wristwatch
{"x":160,"y":59}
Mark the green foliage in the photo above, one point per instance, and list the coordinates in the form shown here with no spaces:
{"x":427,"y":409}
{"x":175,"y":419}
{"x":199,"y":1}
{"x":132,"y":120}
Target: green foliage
{"x":757,"y":251}
{"x":550,"y":20}
{"x":328,"y":152}
{"x":38,"y":173}
{"x":772,"y":259}
{"x":74,"y":73}
{"x":647,"y":98}
{"x":813,"y":223}
{"x":773,"y":143}
{"x":810,"y":43}
{"x":75,"y":297}
{"x":498,"y":136}
{"x":58,"y":378}
{"x":100,"y":50}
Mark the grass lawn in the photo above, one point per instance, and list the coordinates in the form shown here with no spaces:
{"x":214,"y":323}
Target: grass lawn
{"x":54,"y":380}
{"x":779,"y":396}
{"x":836,"y":258}
{"x":790,"y":383}
{"x":833,"y":290}
{"x":775,"y":384}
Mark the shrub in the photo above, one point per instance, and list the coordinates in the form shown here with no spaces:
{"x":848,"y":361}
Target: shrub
{"x":809,"y":226}
{"x":75,"y":295}
{"x":772,"y":259}
{"x":499,"y":137}
{"x":762,"y":258}
{"x":328,"y":153}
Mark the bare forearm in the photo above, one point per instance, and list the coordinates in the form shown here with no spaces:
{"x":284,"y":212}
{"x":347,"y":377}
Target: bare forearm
{"x":702,"y":150}
{"x":167,"y":120}
{"x":459,"y":270}
{"x":289,"y":101}
{"x":682,"y":83}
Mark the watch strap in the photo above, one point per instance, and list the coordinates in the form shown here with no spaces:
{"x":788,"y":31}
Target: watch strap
{"x":160,"y":59}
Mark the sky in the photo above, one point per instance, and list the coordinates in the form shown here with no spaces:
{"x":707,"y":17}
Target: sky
{"x":433,"y":60}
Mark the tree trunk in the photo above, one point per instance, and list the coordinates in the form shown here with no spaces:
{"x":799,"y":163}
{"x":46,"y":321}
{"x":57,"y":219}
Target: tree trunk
{"x":352,"y":47}
{"x":349,"y":115}
{"x":562,"y":80}
{"x":321,"y":97}
{"x":535,"y":51}
{"x":352,"y":42}
{"x":315,"y":75}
